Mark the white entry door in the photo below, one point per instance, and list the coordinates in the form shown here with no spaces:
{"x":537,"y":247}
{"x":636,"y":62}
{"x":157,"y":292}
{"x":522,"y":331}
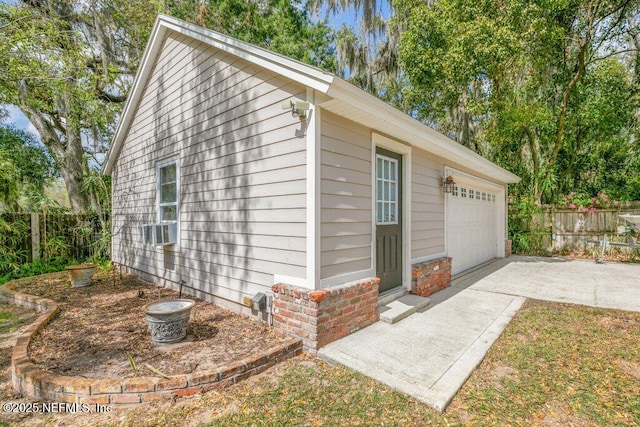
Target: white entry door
{"x":472,"y":218}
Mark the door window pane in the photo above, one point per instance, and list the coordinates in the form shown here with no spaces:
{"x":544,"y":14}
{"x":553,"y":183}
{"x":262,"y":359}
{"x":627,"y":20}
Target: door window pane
{"x":386,"y":190}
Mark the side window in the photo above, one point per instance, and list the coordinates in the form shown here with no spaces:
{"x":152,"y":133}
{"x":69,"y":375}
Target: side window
{"x":168,"y":193}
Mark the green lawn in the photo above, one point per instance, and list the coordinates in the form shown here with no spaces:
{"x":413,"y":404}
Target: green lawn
{"x":555,"y":364}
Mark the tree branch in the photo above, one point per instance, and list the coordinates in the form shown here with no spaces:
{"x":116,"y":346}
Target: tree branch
{"x":112,"y":98}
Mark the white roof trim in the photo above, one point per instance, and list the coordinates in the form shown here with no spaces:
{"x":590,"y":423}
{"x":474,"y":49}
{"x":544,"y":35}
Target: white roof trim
{"x":395,"y":123}
{"x":390,"y":120}
{"x":309,"y":76}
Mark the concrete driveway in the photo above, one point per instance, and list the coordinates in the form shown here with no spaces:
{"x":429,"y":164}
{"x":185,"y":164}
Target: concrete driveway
{"x":430,"y":354}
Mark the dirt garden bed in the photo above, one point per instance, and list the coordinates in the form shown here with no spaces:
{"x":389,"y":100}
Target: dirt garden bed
{"x":100,"y":326}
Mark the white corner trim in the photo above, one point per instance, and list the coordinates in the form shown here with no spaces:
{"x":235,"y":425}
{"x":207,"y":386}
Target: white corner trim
{"x":290,"y":280}
{"x":342,"y":279}
{"x":428,"y":258}
{"x":313,"y":191}
{"x":382,"y":141}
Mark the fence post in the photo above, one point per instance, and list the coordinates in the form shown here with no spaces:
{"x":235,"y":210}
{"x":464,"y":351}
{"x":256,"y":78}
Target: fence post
{"x":35,"y":237}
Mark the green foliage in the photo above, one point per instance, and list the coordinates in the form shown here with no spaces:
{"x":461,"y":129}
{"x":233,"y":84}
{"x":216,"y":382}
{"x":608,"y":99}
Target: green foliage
{"x":66,"y":65}
{"x":583,"y":202}
{"x":548,"y":89}
{"x":282,"y":26}
{"x":12,"y":235}
{"x":132,"y":363}
{"x":25,"y":169}
{"x":526,"y":232}
{"x":4,"y":316}
{"x":64,"y":240}
{"x":35,"y":268}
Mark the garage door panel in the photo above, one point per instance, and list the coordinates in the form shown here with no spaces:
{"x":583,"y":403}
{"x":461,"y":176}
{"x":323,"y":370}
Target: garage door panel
{"x":471,"y":227}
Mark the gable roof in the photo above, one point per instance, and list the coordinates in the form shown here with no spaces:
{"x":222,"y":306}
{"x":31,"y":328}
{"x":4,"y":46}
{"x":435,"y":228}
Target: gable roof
{"x":342,"y":98}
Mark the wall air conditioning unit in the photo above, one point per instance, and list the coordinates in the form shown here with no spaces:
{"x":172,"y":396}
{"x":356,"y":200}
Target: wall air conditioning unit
{"x":162,"y":234}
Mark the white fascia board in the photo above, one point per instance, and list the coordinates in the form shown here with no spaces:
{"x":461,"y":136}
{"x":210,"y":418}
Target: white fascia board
{"x":466,"y":178}
{"x":297,"y":71}
{"x":399,"y":125}
{"x":302,"y":73}
{"x":137,"y":88}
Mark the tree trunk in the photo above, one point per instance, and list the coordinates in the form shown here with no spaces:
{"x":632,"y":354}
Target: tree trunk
{"x":68,"y":155}
{"x":533,"y":148}
{"x":73,"y":183}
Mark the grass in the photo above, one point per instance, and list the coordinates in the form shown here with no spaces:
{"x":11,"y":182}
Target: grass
{"x":555,"y":364}
{"x":571,"y":364}
{"x":12,"y":318}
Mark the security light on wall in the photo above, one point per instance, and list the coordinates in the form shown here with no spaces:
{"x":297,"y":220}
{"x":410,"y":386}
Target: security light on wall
{"x":298,"y":108}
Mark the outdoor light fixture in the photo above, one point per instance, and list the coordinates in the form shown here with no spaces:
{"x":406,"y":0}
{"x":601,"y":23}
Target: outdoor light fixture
{"x":298,"y":108}
{"x":447,"y":182}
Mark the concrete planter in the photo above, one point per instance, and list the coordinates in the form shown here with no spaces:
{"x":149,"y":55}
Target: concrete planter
{"x":80,"y":275}
{"x":168,"y":320}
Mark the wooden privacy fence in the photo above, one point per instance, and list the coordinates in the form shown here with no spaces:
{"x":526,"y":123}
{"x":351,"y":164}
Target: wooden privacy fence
{"x":31,"y":237}
{"x":568,"y":228}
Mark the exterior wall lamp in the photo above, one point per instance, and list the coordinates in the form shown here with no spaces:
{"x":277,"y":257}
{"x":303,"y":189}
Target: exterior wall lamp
{"x":447,"y":183}
{"x":298,"y":108}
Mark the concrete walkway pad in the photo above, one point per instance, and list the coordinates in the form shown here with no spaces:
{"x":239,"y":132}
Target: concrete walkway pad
{"x":430,"y":354}
{"x":607,"y":285}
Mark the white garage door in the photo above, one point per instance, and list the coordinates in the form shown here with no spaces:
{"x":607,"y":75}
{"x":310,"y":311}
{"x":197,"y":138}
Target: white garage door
{"x":471,"y":226}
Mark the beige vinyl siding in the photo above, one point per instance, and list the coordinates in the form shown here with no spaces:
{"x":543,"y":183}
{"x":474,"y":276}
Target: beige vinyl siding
{"x":345,"y":196}
{"x":242,"y":171}
{"x":427,"y":206}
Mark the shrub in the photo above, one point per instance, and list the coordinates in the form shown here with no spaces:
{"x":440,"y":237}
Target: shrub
{"x":35,"y":268}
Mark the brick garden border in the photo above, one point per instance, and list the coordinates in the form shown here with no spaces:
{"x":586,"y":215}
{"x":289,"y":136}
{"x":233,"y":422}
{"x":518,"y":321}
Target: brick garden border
{"x":30,"y":380}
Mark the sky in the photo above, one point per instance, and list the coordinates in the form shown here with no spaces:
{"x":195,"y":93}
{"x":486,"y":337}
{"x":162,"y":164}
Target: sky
{"x":20,"y":121}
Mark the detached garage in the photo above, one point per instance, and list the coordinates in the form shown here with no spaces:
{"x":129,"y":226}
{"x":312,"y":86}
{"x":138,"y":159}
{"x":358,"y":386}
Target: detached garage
{"x":475,"y":218}
{"x":238,"y":172}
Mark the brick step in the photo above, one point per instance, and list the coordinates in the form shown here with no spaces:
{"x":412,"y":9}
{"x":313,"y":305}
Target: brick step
{"x":402,"y":307}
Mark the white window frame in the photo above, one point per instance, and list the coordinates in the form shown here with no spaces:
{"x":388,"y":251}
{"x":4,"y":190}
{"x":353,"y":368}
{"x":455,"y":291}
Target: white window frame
{"x":393,"y":179}
{"x":159,"y":204}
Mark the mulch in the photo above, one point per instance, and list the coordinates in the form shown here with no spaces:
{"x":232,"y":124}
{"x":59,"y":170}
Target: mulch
{"x":102,"y":328}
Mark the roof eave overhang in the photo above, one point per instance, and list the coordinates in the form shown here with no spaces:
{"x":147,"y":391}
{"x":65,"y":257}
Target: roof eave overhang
{"x":395,"y":123}
{"x":388,"y":119}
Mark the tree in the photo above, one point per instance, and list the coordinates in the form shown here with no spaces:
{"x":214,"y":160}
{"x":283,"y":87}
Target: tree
{"x":282,"y":26}
{"x":367,"y":55}
{"x":25,"y":169}
{"x":67,"y":65}
{"x":528,"y":84}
